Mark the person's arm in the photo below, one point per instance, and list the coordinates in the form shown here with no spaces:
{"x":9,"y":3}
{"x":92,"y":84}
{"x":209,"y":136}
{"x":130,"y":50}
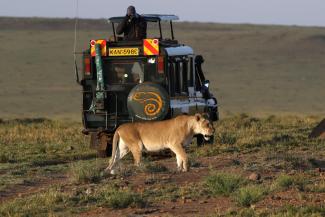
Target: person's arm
{"x":121,"y":26}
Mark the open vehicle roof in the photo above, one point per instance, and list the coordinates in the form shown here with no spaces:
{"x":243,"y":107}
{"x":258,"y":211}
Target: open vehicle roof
{"x":148,"y":18}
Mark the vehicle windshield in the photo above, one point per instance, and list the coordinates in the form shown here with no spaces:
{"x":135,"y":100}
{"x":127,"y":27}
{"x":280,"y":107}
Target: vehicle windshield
{"x":132,"y":71}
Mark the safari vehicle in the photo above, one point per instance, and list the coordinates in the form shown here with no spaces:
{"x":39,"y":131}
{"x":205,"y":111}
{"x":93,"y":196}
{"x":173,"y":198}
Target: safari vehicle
{"x":152,"y":79}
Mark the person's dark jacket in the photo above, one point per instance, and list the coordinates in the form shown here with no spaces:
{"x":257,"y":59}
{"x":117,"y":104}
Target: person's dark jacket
{"x":133,"y":28}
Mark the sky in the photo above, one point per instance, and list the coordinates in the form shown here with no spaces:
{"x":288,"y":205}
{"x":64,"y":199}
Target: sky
{"x":283,"y":12}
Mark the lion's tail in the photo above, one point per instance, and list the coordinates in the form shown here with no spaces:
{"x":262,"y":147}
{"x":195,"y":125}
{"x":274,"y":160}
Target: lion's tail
{"x":116,"y":139}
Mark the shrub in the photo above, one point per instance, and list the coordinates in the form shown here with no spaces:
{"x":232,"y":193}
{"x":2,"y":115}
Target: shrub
{"x":283,"y":182}
{"x":35,"y":205}
{"x":85,"y":173}
{"x":223,"y":183}
{"x":306,"y":211}
{"x":250,"y":194}
{"x":121,"y":199}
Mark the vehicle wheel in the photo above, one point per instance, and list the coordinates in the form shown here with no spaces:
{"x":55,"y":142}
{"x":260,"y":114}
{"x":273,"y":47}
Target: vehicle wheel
{"x":105,"y":153}
{"x":200,"y":140}
{"x":101,"y":153}
{"x":211,"y":141}
{"x":102,"y":142}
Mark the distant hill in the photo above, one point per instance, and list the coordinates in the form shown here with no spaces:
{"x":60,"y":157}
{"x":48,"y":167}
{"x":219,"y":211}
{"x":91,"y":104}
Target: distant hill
{"x":255,"y":69}
{"x":15,"y":23}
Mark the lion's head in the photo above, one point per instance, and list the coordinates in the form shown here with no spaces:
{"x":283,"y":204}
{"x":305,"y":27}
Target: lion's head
{"x":203,"y":126}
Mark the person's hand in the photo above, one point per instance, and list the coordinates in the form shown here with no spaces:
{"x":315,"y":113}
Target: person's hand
{"x":130,"y":18}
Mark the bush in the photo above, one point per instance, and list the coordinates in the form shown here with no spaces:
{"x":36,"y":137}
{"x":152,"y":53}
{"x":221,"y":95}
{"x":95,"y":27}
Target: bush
{"x":283,"y":182}
{"x":223,"y":183}
{"x":36,"y":205}
{"x":306,"y":211}
{"x":85,"y":173}
{"x":250,"y":194}
{"x":121,"y":199}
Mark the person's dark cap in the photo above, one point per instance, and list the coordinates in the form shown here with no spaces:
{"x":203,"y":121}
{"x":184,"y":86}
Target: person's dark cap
{"x":131,"y":10}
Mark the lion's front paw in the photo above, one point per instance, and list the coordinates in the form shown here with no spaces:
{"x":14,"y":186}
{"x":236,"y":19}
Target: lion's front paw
{"x":185,"y":170}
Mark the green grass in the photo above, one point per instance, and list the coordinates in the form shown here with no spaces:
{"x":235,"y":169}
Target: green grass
{"x":287,"y":211}
{"x":252,"y":68}
{"x":306,"y":211}
{"x":248,"y":195}
{"x":154,"y":168}
{"x":283,"y":182}
{"x":42,"y":204}
{"x":55,"y":202}
{"x":223,"y":183}
{"x":36,"y":148}
{"x":273,"y":147}
{"x":121,"y":199}
{"x":86,"y":172}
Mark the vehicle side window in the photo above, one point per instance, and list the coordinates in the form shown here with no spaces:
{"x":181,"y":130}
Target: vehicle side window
{"x":184,"y":74}
{"x":171,"y":72}
{"x":190,"y":72}
{"x":179,"y":76}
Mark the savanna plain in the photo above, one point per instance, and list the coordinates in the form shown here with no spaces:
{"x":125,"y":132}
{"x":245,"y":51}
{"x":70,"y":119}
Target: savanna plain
{"x":269,"y":81}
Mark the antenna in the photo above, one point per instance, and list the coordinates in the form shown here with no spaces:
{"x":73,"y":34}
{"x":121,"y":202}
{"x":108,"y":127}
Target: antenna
{"x":75,"y":42}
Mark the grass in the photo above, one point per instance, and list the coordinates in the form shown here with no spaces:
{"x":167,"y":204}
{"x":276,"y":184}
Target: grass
{"x":287,"y":211}
{"x":283,"y":182}
{"x":45,"y":203}
{"x":86,"y":172}
{"x":273,"y":147}
{"x":305,"y":211}
{"x":121,"y":199}
{"x":252,"y":68}
{"x":248,"y":195}
{"x":53,"y":201}
{"x":34,"y":148}
{"x":154,"y":168}
{"x":223,"y":183}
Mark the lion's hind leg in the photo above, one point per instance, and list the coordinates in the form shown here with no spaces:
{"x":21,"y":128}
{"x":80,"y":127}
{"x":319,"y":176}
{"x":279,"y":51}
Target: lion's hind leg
{"x":121,"y":151}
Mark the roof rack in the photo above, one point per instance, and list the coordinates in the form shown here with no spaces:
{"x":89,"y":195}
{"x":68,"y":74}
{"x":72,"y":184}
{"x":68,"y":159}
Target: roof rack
{"x":149,"y":18}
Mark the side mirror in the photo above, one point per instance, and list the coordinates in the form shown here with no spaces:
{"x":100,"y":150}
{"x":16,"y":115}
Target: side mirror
{"x":206,"y":83}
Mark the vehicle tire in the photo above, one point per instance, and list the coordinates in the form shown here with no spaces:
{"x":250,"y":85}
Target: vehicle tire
{"x":102,"y":143}
{"x":200,"y":140}
{"x":105,"y":153}
{"x":148,"y":102}
{"x":101,"y":153}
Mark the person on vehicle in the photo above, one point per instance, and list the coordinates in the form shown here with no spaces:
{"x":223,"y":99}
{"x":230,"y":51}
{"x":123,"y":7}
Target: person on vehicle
{"x":133,"y":25}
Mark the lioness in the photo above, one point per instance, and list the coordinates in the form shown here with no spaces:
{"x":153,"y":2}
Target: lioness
{"x":155,"y":136}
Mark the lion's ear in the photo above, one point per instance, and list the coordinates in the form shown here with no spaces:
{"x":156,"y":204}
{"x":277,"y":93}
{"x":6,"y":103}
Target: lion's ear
{"x":198,"y":116}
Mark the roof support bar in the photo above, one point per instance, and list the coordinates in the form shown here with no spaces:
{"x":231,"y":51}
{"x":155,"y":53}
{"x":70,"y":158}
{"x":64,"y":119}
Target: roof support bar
{"x":171,"y":29}
{"x":161,"y":36}
{"x":113,"y":26}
